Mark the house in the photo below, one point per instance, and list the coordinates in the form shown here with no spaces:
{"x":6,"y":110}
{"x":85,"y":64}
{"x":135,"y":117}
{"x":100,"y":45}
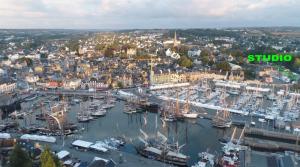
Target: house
{"x":7,"y":86}
{"x":131,"y":52}
{"x":194,"y":53}
{"x":172,"y":54}
{"x":72,"y":84}
{"x":31,"y":78}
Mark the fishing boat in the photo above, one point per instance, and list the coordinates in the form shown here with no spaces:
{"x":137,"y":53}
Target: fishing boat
{"x":222,"y":120}
{"x":206,"y":160}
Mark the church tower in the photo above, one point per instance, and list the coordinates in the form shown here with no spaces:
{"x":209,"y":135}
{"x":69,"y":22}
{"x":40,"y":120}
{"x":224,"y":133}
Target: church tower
{"x":175,"y":40}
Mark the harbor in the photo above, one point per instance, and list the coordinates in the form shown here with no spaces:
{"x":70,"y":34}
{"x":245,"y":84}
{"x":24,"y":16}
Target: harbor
{"x":81,"y":121}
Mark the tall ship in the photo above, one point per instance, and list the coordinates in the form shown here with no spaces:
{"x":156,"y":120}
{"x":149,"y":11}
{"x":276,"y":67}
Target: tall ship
{"x":57,"y":123}
{"x":186,"y":112}
{"x":148,"y":106}
{"x":168,"y":112}
{"x":160,"y":150}
{"x":222,"y":119}
{"x":83,"y":115}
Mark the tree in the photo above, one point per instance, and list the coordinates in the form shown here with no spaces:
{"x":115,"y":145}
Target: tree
{"x":48,"y":159}
{"x":120,"y":85}
{"x":109,"y":52}
{"x":28,"y":61}
{"x":185,"y":61}
{"x":204,"y":53}
{"x":238,"y":55}
{"x":205,"y":60}
{"x":224,"y":66}
{"x":204,"y":56}
{"x":57,"y":161}
{"x":249,"y":74}
{"x":183,"y":50}
{"x":73,"y":45}
{"x":100,"y":47}
{"x":19,"y":158}
{"x":296,"y":63}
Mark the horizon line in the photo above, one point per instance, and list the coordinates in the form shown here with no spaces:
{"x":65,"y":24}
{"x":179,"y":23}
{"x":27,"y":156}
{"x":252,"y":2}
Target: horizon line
{"x":170,"y":28}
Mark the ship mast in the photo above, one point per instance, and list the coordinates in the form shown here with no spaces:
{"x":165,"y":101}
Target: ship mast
{"x":177,"y":104}
{"x":187,"y":104}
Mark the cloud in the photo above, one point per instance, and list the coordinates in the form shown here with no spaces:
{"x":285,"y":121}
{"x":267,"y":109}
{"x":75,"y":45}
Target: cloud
{"x":146,"y":13}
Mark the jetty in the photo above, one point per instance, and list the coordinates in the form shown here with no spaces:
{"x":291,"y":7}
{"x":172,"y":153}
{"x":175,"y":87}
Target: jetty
{"x":263,"y":139}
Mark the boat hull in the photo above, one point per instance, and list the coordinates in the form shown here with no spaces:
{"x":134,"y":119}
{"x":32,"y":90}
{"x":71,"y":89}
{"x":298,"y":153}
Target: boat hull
{"x":163,"y":158}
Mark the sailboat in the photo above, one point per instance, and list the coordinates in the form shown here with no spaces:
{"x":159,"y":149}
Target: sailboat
{"x":83,"y":116}
{"x":178,"y":114}
{"x":99,"y":112}
{"x":186,"y":112}
{"x":95,"y":110}
{"x":168,"y":113}
{"x":109,"y":103}
{"x":222,"y":120}
{"x":160,"y":150}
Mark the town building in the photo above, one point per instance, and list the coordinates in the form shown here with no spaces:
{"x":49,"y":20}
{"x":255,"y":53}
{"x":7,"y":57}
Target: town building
{"x":7,"y":86}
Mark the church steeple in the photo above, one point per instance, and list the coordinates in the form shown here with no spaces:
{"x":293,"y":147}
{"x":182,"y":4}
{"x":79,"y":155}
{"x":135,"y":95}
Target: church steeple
{"x":175,"y":39}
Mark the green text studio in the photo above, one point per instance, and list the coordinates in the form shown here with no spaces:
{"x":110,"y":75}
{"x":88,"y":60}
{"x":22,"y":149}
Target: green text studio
{"x":270,"y":58}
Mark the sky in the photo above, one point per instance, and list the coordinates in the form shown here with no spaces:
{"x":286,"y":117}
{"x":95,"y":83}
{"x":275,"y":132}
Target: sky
{"x":134,"y":14}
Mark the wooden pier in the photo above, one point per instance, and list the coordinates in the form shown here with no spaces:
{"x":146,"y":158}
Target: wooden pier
{"x":268,"y":145}
{"x":271,"y":140}
{"x":271,"y":134}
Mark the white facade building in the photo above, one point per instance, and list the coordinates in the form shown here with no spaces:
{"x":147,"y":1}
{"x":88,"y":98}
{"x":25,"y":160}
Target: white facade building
{"x":7,"y":87}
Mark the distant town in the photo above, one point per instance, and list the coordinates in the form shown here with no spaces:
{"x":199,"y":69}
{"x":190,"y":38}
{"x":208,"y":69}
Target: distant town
{"x":149,"y":97}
